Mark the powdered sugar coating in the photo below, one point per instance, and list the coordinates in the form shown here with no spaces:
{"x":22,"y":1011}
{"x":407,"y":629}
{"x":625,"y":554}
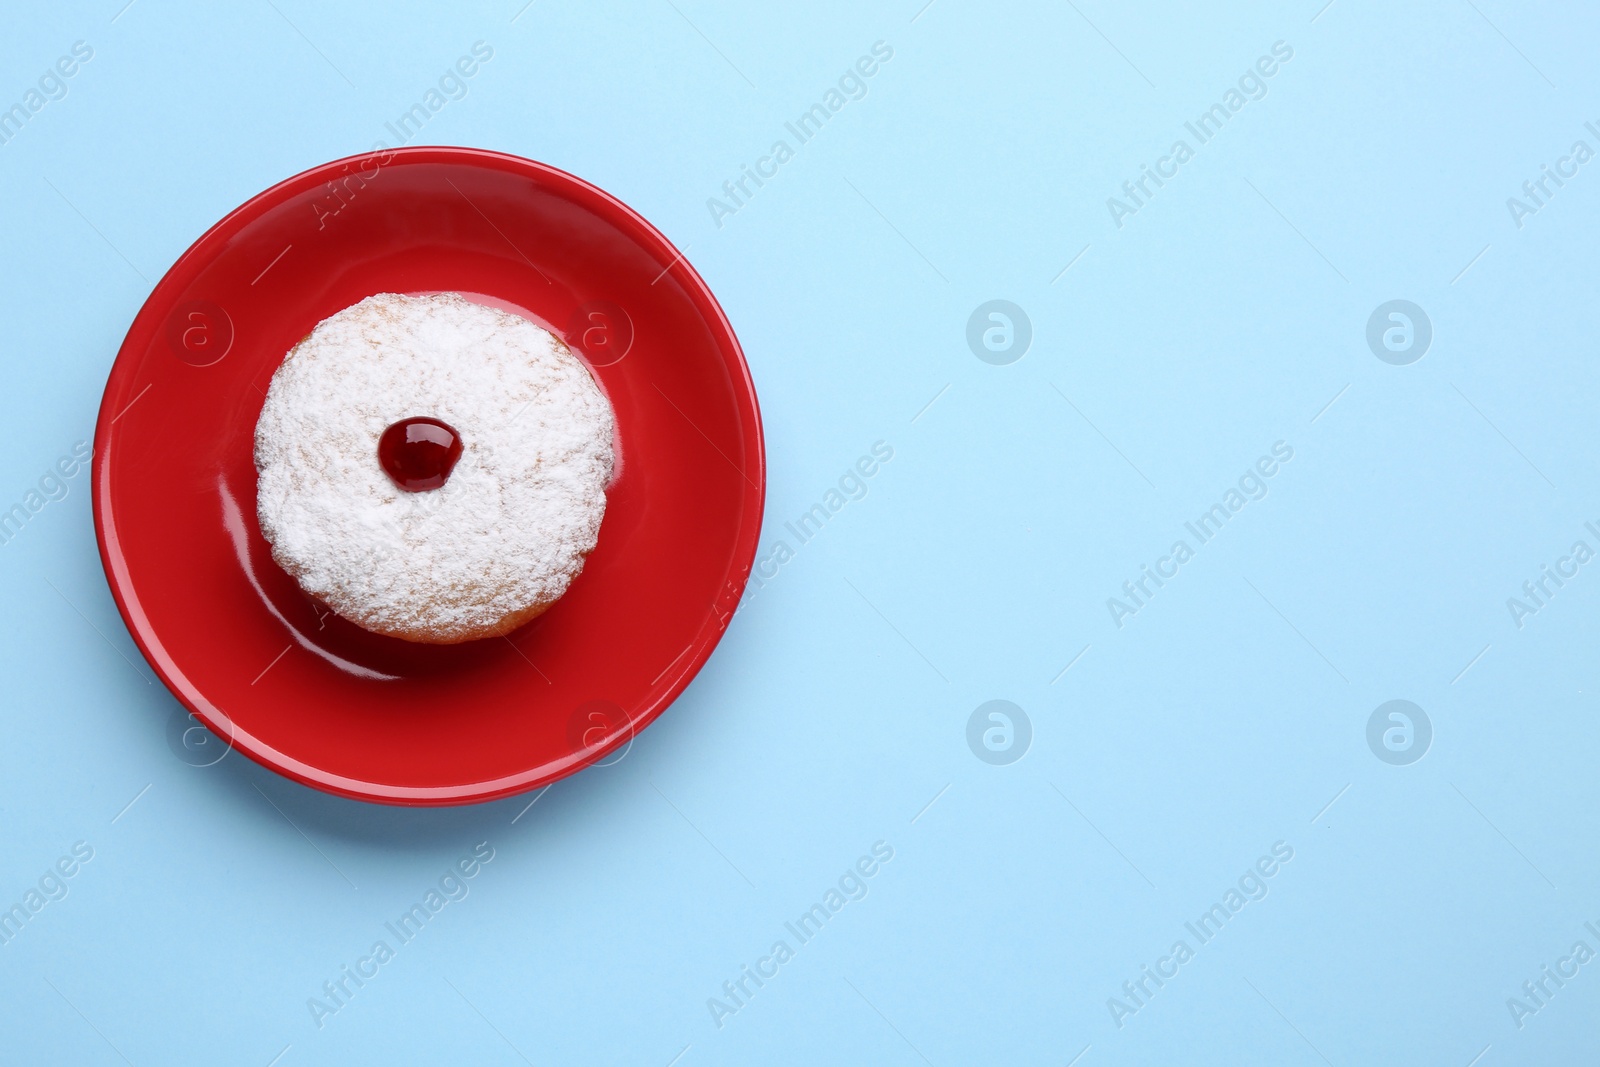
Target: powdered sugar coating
{"x":509,"y":530}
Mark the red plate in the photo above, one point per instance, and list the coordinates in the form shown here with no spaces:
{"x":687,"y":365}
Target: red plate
{"x":317,"y":698}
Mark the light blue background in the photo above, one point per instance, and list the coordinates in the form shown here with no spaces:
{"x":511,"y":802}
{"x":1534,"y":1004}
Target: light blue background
{"x":1224,"y":717}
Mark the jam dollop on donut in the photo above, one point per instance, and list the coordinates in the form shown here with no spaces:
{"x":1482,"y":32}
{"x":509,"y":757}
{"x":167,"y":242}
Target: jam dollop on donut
{"x":419,"y":453}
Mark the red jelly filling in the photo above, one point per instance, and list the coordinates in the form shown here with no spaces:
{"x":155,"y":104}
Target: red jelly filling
{"x":419,"y":453}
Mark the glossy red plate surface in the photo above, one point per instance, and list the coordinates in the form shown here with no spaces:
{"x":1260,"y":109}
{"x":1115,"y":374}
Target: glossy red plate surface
{"x":318,"y":699}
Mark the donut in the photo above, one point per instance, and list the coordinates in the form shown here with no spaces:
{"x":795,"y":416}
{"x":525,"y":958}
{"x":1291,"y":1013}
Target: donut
{"x":433,"y":469}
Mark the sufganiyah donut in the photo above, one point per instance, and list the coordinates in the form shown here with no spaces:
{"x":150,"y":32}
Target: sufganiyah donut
{"x":433,"y":469}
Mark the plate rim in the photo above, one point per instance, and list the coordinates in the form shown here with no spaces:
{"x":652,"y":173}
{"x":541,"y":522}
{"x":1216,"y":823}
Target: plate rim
{"x":144,"y":331}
